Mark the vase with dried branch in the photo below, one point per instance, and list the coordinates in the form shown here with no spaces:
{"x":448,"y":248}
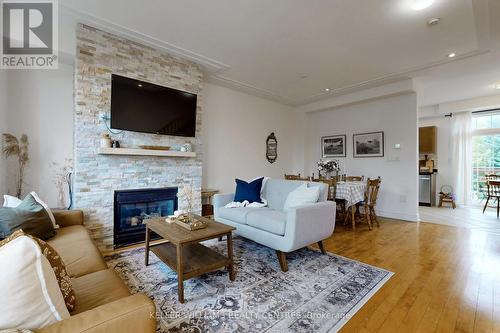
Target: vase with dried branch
{"x":62,"y":178}
{"x":17,"y":148}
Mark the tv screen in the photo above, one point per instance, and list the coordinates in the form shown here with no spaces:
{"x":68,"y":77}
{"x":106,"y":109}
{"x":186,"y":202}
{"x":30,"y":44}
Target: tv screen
{"x":149,"y":108}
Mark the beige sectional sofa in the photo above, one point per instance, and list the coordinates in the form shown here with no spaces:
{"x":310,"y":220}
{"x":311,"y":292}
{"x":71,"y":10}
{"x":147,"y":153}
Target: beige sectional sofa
{"x":103,"y":302}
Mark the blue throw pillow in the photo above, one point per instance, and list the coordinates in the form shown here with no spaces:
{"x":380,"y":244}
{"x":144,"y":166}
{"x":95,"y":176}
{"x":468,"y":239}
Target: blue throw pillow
{"x":248,"y":191}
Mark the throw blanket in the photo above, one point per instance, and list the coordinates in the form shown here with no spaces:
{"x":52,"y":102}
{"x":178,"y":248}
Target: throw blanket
{"x":245,"y":203}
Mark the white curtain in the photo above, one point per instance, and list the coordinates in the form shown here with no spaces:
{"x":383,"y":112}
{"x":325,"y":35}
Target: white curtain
{"x":462,"y":156}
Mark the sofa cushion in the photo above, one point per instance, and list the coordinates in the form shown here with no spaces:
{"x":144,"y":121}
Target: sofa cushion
{"x":30,"y":296}
{"x":267,"y":219}
{"x":98,"y":288}
{"x":77,"y":250}
{"x":302,"y":195}
{"x":30,"y":216}
{"x":238,"y":215}
{"x":276,"y":191}
{"x":59,"y":268}
{"x":248,"y":191}
{"x":13,"y":202}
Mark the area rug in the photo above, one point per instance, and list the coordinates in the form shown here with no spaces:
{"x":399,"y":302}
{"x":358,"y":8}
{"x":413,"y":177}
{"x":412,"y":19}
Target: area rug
{"x":319,"y":293}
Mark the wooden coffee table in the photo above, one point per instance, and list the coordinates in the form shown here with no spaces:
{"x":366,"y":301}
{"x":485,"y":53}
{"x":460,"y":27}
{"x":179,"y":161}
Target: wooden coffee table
{"x":184,"y":253}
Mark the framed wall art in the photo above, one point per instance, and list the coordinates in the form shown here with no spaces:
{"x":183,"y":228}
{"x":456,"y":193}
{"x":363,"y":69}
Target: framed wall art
{"x":368,"y":144}
{"x":333,"y":146}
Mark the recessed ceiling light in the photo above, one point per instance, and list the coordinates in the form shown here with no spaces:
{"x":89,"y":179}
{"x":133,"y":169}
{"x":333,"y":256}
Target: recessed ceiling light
{"x":451,"y":55}
{"x":327,"y":89}
{"x":139,"y":85}
{"x":421,"y":4}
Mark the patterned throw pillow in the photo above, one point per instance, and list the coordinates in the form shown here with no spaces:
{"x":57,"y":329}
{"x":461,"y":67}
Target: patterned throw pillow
{"x":57,"y":265}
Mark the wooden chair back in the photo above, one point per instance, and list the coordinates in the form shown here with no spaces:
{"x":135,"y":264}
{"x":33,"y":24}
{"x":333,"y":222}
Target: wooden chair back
{"x":332,"y":186}
{"x":292,"y":177}
{"x":493,"y":188}
{"x":371,"y":193}
{"x":489,"y":177}
{"x":355,"y":178}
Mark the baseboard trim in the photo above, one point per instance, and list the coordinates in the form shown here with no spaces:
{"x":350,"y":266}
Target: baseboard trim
{"x":399,"y":216}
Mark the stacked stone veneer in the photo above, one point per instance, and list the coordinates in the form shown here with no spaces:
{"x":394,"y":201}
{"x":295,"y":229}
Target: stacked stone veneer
{"x":99,"y":54}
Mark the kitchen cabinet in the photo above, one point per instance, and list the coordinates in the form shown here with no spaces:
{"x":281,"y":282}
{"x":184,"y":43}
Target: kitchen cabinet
{"x":427,"y":139}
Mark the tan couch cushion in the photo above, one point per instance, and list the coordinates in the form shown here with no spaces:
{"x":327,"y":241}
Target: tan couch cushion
{"x":77,"y":250}
{"x":29,"y":294}
{"x":95,"y":289}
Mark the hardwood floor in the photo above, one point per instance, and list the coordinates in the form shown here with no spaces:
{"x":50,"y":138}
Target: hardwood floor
{"x":463,"y":216}
{"x":447,"y":279}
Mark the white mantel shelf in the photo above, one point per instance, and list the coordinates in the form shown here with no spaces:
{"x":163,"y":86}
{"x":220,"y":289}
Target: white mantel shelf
{"x":145,"y":152}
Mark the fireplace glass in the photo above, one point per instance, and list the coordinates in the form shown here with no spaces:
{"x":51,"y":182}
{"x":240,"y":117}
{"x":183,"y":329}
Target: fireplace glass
{"x":133,"y":207}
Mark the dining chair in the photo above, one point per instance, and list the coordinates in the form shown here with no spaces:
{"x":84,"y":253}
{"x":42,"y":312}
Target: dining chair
{"x":292,"y":177}
{"x":492,"y":176}
{"x":371,"y":195}
{"x":368,"y":204}
{"x":332,"y":187}
{"x":493,"y":191}
{"x":355,"y":178}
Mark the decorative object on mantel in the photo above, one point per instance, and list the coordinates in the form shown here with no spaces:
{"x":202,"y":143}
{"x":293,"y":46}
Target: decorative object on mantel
{"x":12,"y":147}
{"x":62,"y":180}
{"x":105,"y":140}
{"x":326,"y":167}
{"x":115,"y":144}
{"x":155,"y":147}
{"x":368,"y":144}
{"x":333,"y":146}
{"x":271,"y":148}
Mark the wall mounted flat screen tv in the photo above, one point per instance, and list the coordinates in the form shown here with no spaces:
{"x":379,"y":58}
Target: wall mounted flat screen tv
{"x":149,"y":108}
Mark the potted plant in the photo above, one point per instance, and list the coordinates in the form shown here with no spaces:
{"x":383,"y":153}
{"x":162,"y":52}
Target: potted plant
{"x":18,"y":148}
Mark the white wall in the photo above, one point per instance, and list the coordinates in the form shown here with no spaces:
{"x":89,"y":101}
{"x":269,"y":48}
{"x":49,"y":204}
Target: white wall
{"x":397,"y":117}
{"x":3,"y":128}
{"x":40,"y":104}
{"x":235,"y":128}
{"x":443,"y":155}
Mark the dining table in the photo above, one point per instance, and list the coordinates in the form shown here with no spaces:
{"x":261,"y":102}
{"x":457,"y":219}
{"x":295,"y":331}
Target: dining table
{"x":352,"y":192}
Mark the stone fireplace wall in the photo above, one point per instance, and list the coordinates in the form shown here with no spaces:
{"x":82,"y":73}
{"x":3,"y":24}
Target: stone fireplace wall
{"x":96,"y":177}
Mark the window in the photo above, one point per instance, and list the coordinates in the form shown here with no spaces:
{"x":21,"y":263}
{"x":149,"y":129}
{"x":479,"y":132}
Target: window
{"x":485,"y":150}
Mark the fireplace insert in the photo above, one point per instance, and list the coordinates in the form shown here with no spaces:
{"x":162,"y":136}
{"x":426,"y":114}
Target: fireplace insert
{"x":133,"y":207}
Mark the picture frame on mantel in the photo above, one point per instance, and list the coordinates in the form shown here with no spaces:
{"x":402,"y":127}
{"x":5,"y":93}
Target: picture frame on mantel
{"x":368,"y":144}
{"x":333,"y":146}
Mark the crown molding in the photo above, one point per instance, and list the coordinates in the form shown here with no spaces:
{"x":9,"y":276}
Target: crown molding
{"x":387,"y":79}
{"x":215,"y":69}
{"x":249,"y":89}
{"x":211,"y":66}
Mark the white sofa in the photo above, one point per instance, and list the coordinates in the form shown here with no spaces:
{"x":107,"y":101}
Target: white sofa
{"x":284,"y":231}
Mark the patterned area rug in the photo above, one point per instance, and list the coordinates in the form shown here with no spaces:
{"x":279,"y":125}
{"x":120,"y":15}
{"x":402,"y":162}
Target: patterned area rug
{"x":319,"y":293}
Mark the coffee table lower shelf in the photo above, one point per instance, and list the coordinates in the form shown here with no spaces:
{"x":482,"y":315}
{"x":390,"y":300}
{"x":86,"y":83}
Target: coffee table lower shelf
{"x":184,"y":253}
{"x":197,"y":259}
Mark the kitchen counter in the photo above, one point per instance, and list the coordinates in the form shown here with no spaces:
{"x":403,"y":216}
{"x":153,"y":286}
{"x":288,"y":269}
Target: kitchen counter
{"x":428,"y":172}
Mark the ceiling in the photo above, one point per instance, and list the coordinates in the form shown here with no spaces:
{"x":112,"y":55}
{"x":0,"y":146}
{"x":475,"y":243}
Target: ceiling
{"x":292,"y":50}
